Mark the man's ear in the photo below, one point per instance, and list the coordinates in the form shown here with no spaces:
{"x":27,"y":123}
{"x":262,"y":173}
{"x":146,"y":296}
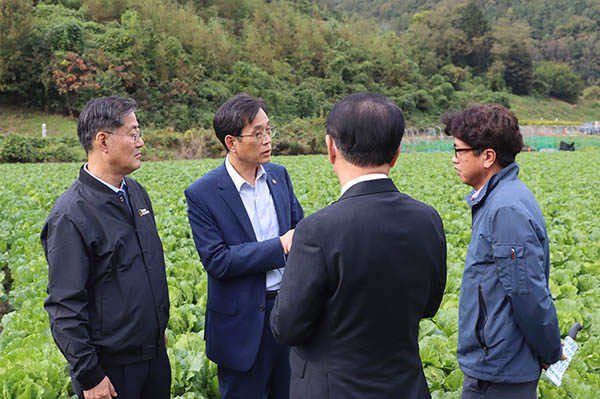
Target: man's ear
{"x":100,"y":142}
{"x":231,"y":143}
{"x":393,"y":161}
{"x":331,"y":149}
{"x":489,"y":157}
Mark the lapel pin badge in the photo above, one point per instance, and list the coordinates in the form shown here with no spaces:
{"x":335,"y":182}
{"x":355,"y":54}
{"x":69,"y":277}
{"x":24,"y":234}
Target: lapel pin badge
{"x":274,"y":181}
{"x":143,"y":211}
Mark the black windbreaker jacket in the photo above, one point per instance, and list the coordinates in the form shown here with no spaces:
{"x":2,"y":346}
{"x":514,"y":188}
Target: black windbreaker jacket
{"x":108,"y":301}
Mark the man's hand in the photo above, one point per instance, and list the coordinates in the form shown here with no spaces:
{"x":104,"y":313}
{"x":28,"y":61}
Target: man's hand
{"x":286,"y":241}
{"x":562,"y":357}
{"x":104,"y":390}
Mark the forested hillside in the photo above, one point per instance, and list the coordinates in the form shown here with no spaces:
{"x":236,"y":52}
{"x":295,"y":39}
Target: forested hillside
{"x":181,"y":59}
{"x":557,"y":30}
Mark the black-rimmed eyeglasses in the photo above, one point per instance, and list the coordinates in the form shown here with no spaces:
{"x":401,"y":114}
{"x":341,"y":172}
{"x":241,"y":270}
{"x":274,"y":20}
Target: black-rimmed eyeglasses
{"x":457,"y":150}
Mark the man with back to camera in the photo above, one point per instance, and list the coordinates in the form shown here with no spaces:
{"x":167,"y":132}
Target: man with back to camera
{"x":242,"y":216}
{"x":508,"y":328}
{"x":108,"y":301}
{"x":363,"y":271}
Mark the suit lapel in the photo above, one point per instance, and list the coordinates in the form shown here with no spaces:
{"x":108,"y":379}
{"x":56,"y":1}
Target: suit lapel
{"x":231,"y":197}
{"x":278,"y":200}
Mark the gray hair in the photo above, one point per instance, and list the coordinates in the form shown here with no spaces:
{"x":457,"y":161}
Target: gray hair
{"x":102,"y":113}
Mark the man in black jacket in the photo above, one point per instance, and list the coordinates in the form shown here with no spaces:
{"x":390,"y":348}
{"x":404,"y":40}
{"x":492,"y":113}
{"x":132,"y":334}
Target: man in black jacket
{"x":108,"y":301}
{"x":363,"y":271}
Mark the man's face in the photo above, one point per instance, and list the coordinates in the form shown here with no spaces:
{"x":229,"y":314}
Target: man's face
{"x":469,"y":167}
{"x":248,"y":149}
{"x":124,"y":151}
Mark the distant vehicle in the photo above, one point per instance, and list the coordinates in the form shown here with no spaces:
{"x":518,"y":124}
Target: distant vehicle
{"x":590,"y":128}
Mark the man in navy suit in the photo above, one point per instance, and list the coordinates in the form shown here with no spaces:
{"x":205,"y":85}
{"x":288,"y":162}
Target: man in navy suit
{"x":242,"y":216}
{"x":362,"y":272}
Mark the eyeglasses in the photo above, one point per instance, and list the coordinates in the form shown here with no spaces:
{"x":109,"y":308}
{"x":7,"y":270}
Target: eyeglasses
{"x":135,"y":136}
{"x":259,"y":136}
{"x":457,"y":150}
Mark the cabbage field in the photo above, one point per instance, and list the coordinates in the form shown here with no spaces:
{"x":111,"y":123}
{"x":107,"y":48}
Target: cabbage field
{"x":566,"y":185}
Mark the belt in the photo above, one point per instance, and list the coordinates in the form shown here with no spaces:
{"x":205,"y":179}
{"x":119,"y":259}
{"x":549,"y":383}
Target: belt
{"x":272,"y":294}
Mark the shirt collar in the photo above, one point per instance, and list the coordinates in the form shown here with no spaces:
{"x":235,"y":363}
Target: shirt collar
{"x":359,"y":179}
{"x":476,"y":194}
{"x":116,"y":190}
{"x":238,"y":181}
{"x":509,"y":172}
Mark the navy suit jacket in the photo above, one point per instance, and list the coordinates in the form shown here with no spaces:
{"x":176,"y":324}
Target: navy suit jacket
{"x":235,"y":262}
{"x":361,"y":274}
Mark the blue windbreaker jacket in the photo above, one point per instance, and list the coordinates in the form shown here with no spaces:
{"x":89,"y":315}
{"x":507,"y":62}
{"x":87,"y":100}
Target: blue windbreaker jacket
{"x":507,"y":319}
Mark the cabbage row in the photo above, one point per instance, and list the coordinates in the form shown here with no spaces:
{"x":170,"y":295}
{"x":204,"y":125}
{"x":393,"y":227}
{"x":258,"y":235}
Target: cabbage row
{"x":565,"y":184}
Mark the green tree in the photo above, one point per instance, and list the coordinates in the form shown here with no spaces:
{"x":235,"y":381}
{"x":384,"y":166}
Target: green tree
{"x":72,"y":75}
{"x":106,"y":10}
{"x":474,"y":23}
{"x":495,"y":76}
{"x":513,"y":49}
{"x":518,"y":72}
{"x":16,"y":25}
{"x":472,"y":20}
{"x":560,"y":79}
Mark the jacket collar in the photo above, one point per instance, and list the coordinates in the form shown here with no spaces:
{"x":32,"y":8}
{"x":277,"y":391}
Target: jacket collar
{"x":90,"y":181}
{"x":369,"y":187}
{"x":510,"y":172}
{"x":106,"y":194}
{"x":367,"y":177}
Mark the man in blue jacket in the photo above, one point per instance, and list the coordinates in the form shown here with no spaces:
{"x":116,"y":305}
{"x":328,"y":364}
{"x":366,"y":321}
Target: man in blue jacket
{"x":508,"y":328}
{"x":242,"y":216}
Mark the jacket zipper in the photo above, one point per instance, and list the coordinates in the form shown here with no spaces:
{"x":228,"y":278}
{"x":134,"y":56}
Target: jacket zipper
{"x":479,"y":333}
{"x":159,"y":340}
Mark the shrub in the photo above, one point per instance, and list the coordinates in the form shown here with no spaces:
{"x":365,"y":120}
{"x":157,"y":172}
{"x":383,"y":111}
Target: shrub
{"x":301,"y":136}
{"x":62,"y":152}
{"x":560,"y":80}
{"x":166,"y":138}
{"x":200,"y":143}
{"x":592,"y":93}
{"x":17,"y":148}
{"x":423,"y":100}
{"x":498,"y":98}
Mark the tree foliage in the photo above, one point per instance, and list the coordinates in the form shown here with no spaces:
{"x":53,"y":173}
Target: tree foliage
{"x":559,"y":81}
{"x":181,"y":59}
{"x":16,"y":25}
{"x":563,"y":31}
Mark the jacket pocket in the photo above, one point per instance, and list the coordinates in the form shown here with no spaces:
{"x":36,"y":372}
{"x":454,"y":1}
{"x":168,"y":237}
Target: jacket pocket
{"x":511,"y":268}
{"x":297,"y":364}
{"x":226,"y":307}
{"x":113,"y":308}
{"x":482,"y":318}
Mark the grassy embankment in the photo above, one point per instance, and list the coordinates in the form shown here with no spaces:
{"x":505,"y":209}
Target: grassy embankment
{"x":27,"y":121}
{"x":166,"y":144}
{"x":531,"y":108}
